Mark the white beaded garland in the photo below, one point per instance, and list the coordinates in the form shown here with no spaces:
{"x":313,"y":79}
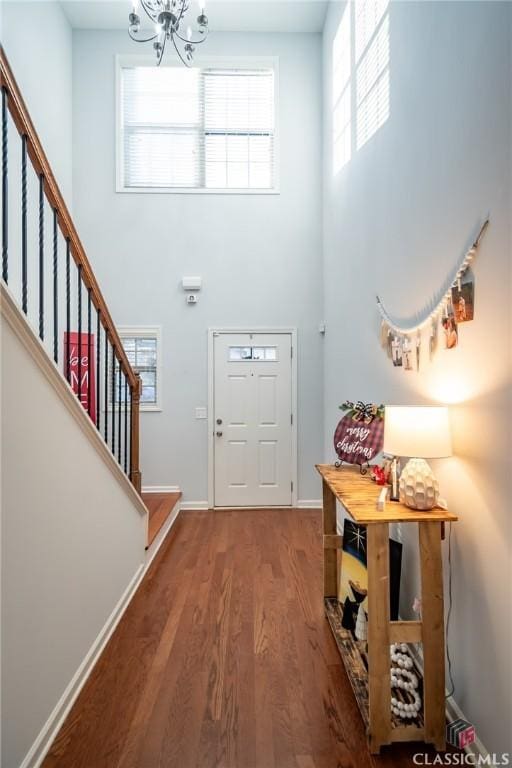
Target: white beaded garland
{"x":402,"y":677}
{"x":434,"y":313}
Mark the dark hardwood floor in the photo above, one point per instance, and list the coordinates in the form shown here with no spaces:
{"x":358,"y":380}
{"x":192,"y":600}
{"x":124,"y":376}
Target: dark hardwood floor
{"x":224,"y":658}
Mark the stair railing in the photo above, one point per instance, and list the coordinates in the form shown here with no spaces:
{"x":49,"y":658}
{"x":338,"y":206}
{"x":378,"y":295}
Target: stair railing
{"x":49,"y":275}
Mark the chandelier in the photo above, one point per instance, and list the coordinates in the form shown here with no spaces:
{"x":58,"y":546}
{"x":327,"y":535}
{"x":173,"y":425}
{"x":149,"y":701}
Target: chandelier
{"x":168,"y":17}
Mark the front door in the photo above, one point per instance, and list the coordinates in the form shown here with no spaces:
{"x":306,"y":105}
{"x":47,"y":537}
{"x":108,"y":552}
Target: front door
{"x":252,"y":419}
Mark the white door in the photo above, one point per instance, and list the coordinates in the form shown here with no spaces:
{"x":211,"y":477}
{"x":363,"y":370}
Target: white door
{"x":252,"y":419}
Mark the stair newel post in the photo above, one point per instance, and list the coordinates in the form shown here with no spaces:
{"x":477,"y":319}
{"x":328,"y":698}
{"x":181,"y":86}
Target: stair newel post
{"x":135,"y":475}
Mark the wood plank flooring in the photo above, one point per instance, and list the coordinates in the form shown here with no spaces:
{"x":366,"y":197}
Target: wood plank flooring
{"x":224,"y":659}
{"x":160,"y":506}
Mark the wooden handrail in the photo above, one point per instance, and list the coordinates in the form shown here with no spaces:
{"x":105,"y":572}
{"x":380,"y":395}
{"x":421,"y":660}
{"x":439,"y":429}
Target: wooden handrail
{"x":11,"y":96}
{"x":23,"y":122}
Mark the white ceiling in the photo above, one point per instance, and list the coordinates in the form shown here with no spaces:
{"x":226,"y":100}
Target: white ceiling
{"x":223,"y":15}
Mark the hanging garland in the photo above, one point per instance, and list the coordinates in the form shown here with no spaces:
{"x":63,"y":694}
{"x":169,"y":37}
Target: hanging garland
{"x":403,"y":343}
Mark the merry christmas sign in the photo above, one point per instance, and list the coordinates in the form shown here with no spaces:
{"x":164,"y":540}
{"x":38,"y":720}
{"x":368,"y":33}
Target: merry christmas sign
{"x":359,"y":435}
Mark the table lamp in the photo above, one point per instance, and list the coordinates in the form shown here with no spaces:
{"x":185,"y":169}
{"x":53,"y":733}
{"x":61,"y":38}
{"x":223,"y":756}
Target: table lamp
{"x":418,"y":432}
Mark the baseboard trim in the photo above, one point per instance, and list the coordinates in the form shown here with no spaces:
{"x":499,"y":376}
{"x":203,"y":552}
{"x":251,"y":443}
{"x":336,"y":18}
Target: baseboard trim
{"x":161,"y":489}
{"x":48,"y":733}
{"x":199,"y":505}
{"x":44,"y":740}
{"x":454,"y":712}
{"x":159,"y":539}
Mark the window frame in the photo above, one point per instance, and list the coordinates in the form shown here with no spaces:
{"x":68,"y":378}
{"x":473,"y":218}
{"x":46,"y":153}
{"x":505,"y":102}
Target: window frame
{"x":144,"y":332}
{"x":234,"y":62}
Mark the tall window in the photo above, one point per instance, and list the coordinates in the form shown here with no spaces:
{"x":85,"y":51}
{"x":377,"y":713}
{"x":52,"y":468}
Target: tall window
{"x":342,"y":93}
{"x":372,"y":67}
{"x":196,"y":129}
{"x":360,"y":77}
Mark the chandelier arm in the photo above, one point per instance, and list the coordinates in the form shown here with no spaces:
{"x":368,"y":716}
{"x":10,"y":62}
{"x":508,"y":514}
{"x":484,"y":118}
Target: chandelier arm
{"x":184,"y":9}
{"x":162,"y":51}
{"x":179,"y":52}
{"x":138,"y":40}
{"x":153,"y":19}
{"x":193,"y":42}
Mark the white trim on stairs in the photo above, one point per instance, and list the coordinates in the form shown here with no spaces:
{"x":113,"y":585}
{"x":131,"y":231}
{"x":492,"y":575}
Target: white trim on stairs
{"x":24,"y":331}
{"x":159,"y":539}
{"x":44,"y":740}
{"x":46,"y":736}
{"x":309,"y":504}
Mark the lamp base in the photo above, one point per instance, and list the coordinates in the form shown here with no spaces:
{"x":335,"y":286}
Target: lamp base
{"x":419,"y":488}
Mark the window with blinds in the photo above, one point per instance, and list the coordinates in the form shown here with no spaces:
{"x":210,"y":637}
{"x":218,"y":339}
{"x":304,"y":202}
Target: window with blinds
{"x":142,"y":346}
{"x":196,"y":129}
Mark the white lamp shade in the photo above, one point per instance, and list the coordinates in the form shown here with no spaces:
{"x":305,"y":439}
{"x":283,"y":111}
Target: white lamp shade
{"x":417,"y":431}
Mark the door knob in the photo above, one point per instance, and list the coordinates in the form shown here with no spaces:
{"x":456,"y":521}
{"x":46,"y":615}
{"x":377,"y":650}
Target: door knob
{"x":219,"y":434}
{"x":219,"y":421}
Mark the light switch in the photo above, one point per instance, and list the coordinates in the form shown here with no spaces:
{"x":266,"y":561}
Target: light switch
{"x":201,"y":412}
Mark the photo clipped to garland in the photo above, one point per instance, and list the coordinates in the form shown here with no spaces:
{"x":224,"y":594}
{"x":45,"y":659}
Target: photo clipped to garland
{"x":360,"y":434}
{"x":405,"y":345}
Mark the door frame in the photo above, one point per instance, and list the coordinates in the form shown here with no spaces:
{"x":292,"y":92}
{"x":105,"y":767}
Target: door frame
{"x":212,"y":333}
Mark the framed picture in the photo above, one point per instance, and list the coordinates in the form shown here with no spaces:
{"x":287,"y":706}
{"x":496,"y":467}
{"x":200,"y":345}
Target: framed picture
{"x":396,"y":351}
{"x":451,"y":332}
{"x":463,"y":302}
{"x":407,"y":356}
{"x":353,"y":581}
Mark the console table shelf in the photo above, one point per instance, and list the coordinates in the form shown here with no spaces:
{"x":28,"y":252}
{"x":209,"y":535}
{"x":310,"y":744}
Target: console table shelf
{"x":370,"y":674}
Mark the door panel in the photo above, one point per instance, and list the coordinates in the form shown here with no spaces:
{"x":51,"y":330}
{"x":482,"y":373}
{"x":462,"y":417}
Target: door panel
{"x":267,"y":400}
{"x":238,"y":401}
{"x":267,"y":462}
{"x":237,"y":463}
{"x":252,"y":401}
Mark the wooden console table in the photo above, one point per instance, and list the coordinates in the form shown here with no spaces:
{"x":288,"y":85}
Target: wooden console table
{"x":372,"y":687}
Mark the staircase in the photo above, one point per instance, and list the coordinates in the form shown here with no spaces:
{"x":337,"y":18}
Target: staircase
{"x":46,"y":271}
{"x":162,"y":508}
{"x":77,"y":537}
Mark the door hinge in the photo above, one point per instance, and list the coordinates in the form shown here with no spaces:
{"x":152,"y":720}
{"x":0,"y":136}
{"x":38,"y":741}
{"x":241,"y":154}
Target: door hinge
{"x":291,"y":418}
{"x":291,"y":486}
{"x":291,"y":351}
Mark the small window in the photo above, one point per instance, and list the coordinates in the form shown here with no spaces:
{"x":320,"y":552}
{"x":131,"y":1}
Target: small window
{"x":209,"y":128}
{"x":254,"y":354}
{"x":143,"y":350}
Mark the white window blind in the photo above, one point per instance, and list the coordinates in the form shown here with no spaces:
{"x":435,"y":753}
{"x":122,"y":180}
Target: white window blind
{"x":198,"y":128}
{"x":142,"y":345}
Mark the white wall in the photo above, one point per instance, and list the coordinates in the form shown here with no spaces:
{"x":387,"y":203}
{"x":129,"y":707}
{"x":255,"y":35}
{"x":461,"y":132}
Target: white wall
{"x":259,"y":256}
{"x":397,"y":218}
{"x":37,"y":39}
{"x":40,"y":55}
{"x":70,"y":547}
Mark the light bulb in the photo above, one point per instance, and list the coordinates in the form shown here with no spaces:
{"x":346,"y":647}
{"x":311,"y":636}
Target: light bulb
{"x":189,"y":33}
